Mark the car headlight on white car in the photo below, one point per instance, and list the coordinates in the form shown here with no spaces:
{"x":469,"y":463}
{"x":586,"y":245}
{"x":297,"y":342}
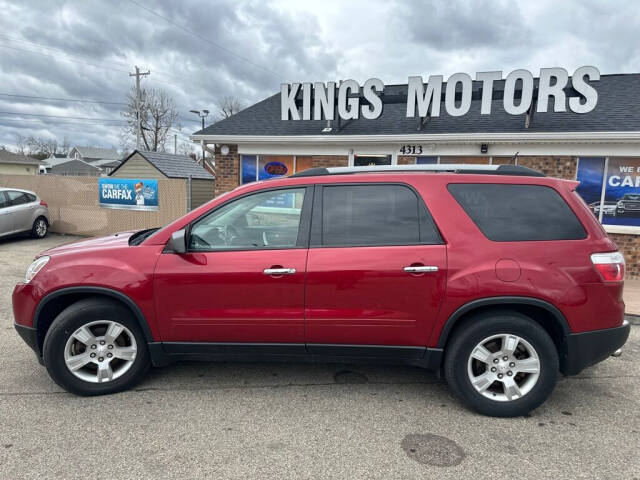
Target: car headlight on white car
{"x":35,"y":267}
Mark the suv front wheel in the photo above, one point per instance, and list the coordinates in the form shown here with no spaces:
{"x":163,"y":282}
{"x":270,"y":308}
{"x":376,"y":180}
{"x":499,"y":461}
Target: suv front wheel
{"x":501,"y":364}
{"x":95,"y":347}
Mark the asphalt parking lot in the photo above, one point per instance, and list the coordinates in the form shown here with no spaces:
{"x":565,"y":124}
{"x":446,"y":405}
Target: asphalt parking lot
{"x":302,"y":421}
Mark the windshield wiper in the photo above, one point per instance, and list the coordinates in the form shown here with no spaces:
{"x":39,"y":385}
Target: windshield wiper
{"x":139,"y":237}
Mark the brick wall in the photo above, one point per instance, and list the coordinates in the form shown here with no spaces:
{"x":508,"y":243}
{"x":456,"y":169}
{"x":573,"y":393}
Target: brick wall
{"x":629,"y":245}
{"x":227,"y":169}
{"x":552,"y":166}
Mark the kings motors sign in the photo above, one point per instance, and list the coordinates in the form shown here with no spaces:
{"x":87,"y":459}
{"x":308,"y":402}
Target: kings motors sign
{"x":318,"y":101}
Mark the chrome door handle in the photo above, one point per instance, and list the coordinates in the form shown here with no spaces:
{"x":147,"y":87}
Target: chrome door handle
{"x":421,"y":269}
{"x":279,"y":271}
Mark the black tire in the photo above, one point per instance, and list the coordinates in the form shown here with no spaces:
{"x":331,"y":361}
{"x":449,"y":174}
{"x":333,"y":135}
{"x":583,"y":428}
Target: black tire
{"x":77,"y":315}
{"x":36,"y":231}
{"x":480,"y":327}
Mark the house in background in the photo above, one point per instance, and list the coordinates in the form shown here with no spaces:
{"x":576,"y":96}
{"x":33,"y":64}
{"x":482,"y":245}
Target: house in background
{"x":14,"y":164}
{"x":92,"y":161}
{"x":51,"y":161}
{"x":156,"y":165}
{"x":92,"y":154}
{"x":75,"y":167}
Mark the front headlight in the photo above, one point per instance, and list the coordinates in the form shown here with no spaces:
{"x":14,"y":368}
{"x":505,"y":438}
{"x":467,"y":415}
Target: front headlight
{"x":35,"y":267}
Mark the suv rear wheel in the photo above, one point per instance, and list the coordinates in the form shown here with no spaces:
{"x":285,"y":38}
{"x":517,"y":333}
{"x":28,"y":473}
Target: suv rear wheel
{"x":501,"y":364}
{"x":95,"y":347}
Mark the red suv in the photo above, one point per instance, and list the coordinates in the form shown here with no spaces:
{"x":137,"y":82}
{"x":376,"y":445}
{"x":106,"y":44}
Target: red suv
{"x":496,"y":276}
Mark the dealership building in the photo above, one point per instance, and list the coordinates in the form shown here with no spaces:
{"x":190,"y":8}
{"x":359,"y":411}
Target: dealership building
{"x":583,"y":126}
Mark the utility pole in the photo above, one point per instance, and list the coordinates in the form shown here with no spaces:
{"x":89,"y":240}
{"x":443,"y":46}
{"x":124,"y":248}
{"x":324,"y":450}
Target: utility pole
{"x":175,"y":143}
{"x":201,"y":114}
{"x":138,"y":74}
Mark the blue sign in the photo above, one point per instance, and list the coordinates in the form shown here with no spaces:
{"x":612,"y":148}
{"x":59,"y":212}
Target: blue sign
{"x":126,"y":193}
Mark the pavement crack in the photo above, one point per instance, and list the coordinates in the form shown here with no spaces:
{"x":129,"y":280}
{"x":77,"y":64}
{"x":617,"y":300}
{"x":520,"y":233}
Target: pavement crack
{"x":222,"y":388}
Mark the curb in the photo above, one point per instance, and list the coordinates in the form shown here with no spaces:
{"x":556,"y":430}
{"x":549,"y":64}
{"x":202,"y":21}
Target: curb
{"x":632,"y":318}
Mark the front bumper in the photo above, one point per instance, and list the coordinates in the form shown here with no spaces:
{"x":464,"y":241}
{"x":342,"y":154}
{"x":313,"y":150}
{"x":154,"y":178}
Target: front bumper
{"x":30,"y":336}
{"x":588,"y":348}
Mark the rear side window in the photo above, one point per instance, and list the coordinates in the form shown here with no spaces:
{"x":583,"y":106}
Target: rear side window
{"x":4,"y":202}
{"x":511,"y":213}
{"x":17,"y":198}
{"x":31,"y":197}
{"x":363,"y":215}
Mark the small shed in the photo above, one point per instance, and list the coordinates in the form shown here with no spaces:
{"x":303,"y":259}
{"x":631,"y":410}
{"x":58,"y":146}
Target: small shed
{"x":158,"y":165}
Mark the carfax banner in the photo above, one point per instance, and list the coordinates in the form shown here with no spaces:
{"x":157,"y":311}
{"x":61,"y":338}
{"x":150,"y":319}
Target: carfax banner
{"x":128,"y":194}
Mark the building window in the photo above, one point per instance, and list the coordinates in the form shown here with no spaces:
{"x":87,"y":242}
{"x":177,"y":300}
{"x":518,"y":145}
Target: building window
{"x":426,"y":160}
{"x":611,"y":188}
{"x":262,"y":167}
{"x":371,"y":160}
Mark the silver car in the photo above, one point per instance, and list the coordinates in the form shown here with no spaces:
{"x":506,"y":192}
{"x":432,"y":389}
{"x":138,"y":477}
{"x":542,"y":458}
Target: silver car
{"x":22,"y":211}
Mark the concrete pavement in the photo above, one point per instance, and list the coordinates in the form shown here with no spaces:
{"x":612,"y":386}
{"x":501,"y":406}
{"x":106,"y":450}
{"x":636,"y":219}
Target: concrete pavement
{"x":302,"y":421}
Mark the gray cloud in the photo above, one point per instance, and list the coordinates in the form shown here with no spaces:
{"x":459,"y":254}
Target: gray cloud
{"x":299,"y":41}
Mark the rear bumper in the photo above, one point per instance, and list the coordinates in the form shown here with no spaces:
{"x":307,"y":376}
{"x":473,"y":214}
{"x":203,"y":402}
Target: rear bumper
{"x":588,"y":348}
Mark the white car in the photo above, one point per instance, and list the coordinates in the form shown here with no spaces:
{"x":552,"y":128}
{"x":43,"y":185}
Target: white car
{"x":608,"y":209}
{"x":22,"y":211}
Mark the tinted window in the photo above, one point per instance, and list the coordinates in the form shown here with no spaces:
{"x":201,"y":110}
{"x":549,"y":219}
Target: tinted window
{"x":262,"y":220}
{"x":17,"y":198}
{"x":508,"y":213}
{"x":31,"y":197}
{"x":3,"y":200}
{"x":374,"y":215}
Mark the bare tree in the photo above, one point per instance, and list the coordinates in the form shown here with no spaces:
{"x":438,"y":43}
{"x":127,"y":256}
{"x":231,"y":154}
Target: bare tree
{"x":36,"y":147}
{"x":158,"y":114}
{"x":186,"y":148}
{"x":228,"y":106}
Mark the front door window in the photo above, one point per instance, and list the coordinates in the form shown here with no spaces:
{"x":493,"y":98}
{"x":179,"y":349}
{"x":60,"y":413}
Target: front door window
{"x":262,"y":220}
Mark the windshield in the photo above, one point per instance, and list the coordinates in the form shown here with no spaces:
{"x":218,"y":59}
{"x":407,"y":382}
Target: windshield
{"x":630,"y":196}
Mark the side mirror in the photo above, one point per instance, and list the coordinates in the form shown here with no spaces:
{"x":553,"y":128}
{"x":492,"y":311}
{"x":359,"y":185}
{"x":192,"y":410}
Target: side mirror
{"x":178,"y":242}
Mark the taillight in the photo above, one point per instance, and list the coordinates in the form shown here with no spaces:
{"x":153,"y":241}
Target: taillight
{"x":43,"y":203}
{"x":610,"y":266}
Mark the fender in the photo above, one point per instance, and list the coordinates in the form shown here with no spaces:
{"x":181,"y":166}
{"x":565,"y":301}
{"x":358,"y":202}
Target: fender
{"x":144,"y":326}
{"x":483,"y":302}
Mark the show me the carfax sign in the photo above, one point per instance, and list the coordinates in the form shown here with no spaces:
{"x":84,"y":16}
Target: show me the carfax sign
{"x":318,"y":101}
{"x":126,"y":193}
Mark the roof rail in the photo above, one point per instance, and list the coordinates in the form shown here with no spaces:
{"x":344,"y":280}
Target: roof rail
{"x":449,"y":168}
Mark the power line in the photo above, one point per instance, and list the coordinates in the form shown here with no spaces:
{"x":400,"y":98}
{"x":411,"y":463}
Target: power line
{"x":63,"y":59}
{"x":56,"y":49}
{"x":61,"y":116}
{"x":61,"y":99}
{"x":205,"y":39}
{"x":80,"y":55}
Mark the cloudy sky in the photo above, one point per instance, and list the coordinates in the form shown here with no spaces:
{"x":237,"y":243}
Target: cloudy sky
{"x":74,"y":54}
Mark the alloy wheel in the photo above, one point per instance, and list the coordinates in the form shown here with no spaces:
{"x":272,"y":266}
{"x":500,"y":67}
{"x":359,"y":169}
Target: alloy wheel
{"x":503,"y":367}
{"x":41,"y":228}
{"x":100,"y":351}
